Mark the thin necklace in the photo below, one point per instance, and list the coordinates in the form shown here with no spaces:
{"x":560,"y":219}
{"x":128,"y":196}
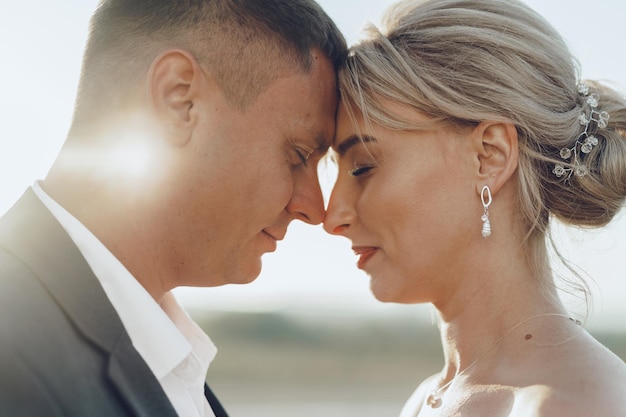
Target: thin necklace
{"x":434,"y":399}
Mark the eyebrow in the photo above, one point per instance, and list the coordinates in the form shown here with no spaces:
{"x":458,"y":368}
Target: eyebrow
{"x":352,"y":140}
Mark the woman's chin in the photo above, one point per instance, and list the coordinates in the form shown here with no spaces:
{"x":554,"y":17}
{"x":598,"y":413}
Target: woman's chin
{"x":384,"y":293}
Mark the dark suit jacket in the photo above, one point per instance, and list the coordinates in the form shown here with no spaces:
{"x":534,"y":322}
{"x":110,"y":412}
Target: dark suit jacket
{"x":63,"y":348}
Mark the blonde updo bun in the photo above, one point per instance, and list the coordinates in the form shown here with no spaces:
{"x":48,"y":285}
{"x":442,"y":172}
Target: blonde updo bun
{"x":463,"y":61}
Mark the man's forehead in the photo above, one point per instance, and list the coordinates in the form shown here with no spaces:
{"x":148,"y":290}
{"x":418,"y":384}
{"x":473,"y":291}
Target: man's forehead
{"x":324,"y":139}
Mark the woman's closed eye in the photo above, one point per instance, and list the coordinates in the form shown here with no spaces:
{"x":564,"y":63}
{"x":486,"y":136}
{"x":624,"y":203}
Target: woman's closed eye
{"x":357,"y":171}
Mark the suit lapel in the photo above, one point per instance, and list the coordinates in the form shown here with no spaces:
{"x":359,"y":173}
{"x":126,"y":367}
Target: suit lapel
{"x":31,"y":233}
{"x":136,"y":382}
{"x":217,"y":408}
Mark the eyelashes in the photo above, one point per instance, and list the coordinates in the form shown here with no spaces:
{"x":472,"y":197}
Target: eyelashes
{"x":360,"y":170}
{"x":303,"y":155}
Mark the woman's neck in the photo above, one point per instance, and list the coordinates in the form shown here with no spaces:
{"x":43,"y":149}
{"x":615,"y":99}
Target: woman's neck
{"x":493,"y":299}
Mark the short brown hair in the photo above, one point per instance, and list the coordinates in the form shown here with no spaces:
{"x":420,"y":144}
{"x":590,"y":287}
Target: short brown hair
{"x":245,"y":44}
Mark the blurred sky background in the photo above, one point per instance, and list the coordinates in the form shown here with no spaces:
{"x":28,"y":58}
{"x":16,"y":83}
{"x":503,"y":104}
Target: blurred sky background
{"x":41,"y":43}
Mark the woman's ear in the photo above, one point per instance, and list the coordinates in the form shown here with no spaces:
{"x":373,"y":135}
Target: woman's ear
{"x":173,"y":90}
{"x":497,"y":148}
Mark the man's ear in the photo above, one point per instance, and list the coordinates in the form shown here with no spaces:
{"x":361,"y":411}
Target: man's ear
{"x":173,"y":89}
{"x":497,"y":147}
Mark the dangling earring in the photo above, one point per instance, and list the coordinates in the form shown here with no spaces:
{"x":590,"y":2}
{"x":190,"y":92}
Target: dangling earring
{"x":486,"y":230}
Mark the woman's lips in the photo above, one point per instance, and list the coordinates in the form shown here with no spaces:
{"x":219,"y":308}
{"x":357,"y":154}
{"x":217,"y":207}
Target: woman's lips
{"x":364,"y":253}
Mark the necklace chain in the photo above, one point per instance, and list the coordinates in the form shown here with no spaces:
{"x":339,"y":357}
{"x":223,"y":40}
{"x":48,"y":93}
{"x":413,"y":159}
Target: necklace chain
{"x":434,"y":398}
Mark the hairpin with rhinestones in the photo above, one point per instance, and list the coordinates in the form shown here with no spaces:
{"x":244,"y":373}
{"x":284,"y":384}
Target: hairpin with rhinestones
{"x":586,"y":140}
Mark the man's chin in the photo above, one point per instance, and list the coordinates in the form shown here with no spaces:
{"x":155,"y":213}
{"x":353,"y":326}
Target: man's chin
{"x":241,"y":273}
{"x":248,"y":274}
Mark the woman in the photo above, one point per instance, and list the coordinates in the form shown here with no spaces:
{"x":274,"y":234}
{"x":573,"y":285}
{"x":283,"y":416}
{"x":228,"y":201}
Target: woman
{"x":464,"y":128}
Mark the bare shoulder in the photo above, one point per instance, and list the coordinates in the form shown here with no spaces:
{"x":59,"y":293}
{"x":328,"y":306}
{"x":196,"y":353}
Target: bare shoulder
{"x":588,"y":380}
{"x":543,"y":401}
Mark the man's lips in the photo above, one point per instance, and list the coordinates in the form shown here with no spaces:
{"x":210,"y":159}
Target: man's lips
{"x":276,"y":236}
{"x":364,"y":253}
{"x":271,"y":239}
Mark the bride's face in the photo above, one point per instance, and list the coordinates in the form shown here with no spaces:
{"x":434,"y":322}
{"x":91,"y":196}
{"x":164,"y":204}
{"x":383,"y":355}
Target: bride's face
{"x":404,"y":200}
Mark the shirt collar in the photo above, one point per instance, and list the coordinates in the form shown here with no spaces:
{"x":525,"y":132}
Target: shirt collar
{"x":154,"y":335}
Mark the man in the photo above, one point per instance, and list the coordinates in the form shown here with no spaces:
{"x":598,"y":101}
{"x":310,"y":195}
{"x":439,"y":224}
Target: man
{"x":197,"y":130}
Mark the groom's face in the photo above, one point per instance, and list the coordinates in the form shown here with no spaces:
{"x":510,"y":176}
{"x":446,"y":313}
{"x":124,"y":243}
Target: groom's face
{"x":253,"y":171}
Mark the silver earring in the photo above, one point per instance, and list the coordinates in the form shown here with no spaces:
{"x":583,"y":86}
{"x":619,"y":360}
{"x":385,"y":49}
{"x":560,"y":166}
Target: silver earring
{"x":486,"y":230}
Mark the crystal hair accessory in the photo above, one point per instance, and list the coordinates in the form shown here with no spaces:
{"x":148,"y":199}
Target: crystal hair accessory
{"x":586,"y":141}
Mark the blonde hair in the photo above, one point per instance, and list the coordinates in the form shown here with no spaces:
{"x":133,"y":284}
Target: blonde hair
{"x":464,"y":61}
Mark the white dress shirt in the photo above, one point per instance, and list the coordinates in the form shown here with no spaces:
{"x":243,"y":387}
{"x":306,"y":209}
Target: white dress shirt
{"x":173,"y":346}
